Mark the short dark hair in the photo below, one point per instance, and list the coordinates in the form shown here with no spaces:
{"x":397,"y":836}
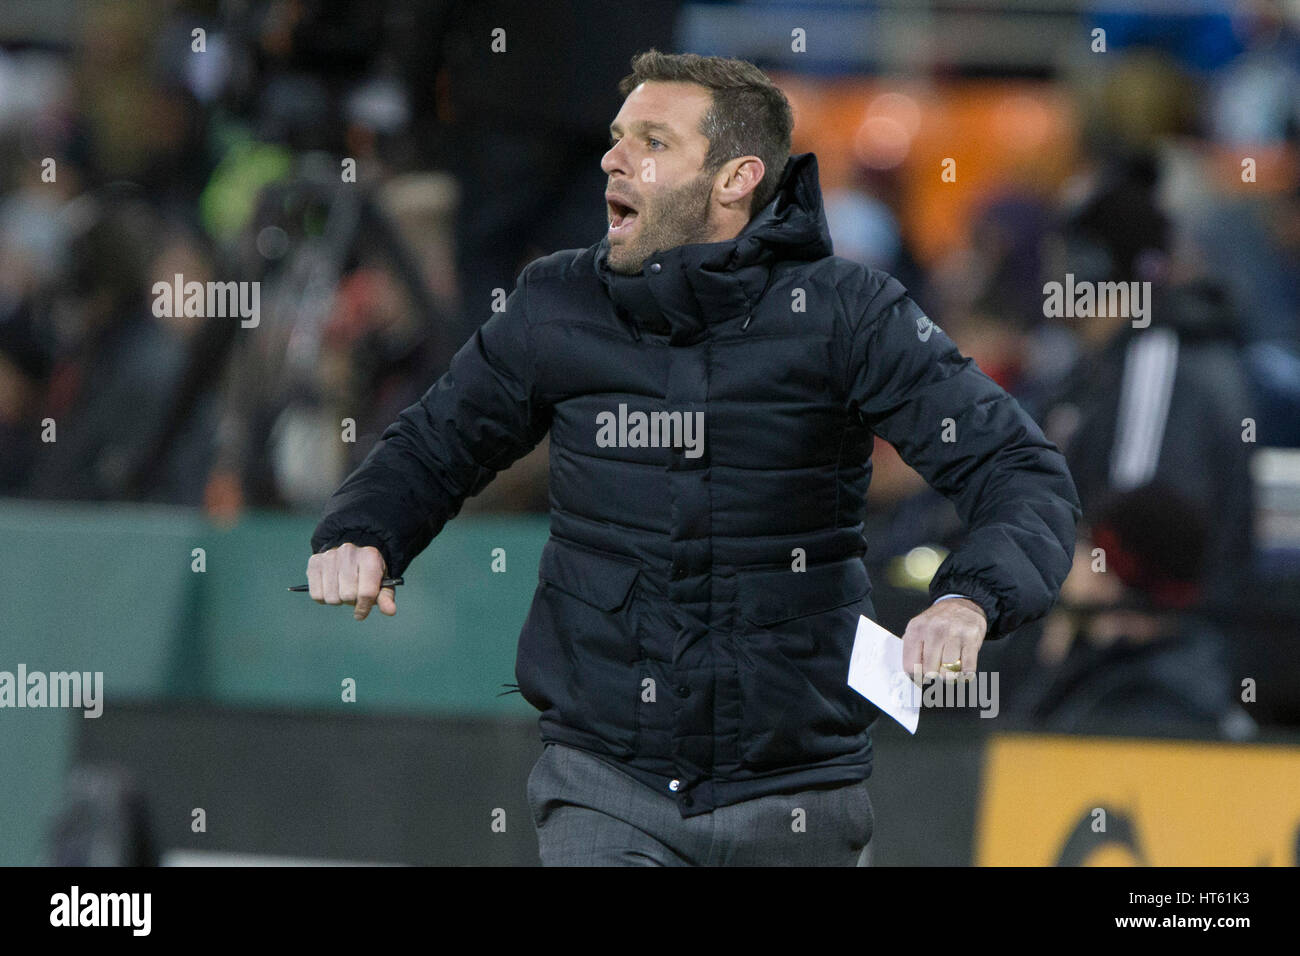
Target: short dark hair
{"x":750,"y":116}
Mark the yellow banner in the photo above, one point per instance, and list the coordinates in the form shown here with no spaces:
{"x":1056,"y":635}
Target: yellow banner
{"x":1080,"y":801}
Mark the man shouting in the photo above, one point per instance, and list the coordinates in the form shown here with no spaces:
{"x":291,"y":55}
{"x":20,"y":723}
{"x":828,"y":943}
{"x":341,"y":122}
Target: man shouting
{"x":712,"y":377}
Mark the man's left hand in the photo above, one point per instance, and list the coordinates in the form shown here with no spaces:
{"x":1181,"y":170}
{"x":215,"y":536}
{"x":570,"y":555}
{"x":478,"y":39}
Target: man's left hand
{"x":947,"y":631}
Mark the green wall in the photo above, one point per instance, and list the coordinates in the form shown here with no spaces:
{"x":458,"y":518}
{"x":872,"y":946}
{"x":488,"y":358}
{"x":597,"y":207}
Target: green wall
{"x":110,"y":588}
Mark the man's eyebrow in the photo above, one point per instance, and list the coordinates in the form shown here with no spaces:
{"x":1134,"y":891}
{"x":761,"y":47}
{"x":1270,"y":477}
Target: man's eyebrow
{"x":646,"y":126}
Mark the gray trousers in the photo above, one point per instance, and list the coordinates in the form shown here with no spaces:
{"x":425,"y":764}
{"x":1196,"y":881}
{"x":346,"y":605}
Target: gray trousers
{"x":589,"y":813}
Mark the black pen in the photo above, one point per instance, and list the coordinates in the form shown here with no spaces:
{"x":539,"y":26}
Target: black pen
{"x":386,"y":583}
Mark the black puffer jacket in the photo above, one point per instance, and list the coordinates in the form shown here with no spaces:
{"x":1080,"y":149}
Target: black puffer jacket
{"x":672,"y":631}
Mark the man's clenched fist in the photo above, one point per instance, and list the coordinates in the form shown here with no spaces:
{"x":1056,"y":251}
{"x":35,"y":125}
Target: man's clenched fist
{"x":351,"y":575}
{"x":944,"y":633}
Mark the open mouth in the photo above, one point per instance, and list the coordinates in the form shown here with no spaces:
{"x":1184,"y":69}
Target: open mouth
{"x":621,"y":216}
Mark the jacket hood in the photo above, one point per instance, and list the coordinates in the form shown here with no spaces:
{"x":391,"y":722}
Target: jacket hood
{"x":682,"y":290}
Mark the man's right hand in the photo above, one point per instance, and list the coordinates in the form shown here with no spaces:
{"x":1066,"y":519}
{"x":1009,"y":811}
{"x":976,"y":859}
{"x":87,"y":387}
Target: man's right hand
{"x":351,"y":575}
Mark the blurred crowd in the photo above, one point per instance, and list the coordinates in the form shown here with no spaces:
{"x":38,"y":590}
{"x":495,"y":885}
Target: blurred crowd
{"x":211,"y":141}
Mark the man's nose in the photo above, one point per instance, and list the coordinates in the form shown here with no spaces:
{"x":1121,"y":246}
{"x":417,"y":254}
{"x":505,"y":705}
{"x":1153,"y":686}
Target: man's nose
{"x":614,"y":160}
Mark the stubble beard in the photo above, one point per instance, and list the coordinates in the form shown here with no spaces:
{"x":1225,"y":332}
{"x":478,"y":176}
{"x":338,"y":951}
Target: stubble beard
{"x":677,"y":217}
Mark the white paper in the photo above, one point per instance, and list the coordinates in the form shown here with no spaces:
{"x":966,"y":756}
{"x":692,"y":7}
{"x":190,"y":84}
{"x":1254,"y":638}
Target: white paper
{"x":876,"y":672}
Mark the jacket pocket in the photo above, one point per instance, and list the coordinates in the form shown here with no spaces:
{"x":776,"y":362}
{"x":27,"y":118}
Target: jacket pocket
{"x":598,"y":578}
{"x":792,"y":660}
{"x":769,"y":597}
{"x":579,"y":645}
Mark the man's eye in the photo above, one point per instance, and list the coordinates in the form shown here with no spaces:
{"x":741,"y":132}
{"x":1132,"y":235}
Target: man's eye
{"x":653,"y":141}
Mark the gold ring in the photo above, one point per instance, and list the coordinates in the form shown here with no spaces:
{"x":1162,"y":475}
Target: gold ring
{"x":955,"y":666}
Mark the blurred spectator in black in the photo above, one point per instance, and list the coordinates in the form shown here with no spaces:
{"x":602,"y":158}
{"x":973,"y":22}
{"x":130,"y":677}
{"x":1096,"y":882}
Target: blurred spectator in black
{"x":1166,"y":401}
{"x":115,"y":364}
{"x":1125,"y":651}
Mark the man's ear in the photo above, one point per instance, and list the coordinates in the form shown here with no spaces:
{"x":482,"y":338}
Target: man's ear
{"x":740,"y":178}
